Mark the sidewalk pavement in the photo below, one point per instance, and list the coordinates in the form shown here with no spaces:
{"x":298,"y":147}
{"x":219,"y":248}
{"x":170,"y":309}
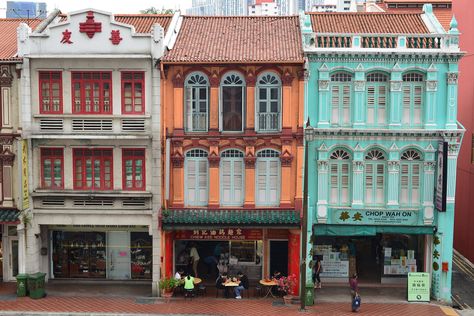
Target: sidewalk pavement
{"x":61,"y":305}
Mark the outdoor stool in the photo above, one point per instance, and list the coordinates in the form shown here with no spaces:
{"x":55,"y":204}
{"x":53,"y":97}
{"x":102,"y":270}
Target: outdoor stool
{"x":189,"y":294}
{"x":202,"y":290}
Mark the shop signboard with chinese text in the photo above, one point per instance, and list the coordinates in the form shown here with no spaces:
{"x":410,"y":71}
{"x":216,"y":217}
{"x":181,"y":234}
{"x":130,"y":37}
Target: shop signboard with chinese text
{"x":220,"y":234}
{"x":418,"y":287}
{"x":24,"y":175}
{"x":441,"y":179}
{"x":375,"y":217}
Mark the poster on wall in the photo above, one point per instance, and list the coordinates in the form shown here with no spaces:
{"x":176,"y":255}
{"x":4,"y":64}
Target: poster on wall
{"x":441,"y":176}
{"x":334,"y":269}
{"x":418,"y":287}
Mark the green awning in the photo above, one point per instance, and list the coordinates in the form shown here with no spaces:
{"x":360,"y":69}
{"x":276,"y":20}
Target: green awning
{"x":9,"y":216}
{"x":204,"y":217}
{"x":367,"y":230}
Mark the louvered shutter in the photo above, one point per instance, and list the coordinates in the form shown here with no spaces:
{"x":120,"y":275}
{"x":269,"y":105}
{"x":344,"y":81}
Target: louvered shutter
{"x":344,"y":183}
{"x":226,"y":181}
{"x":371,"y":104}
{"x":417,"y":101}
{"x":191,"y":181}
{"x":380,"y":198}
{"x":238,"y":181}
{"x":202,"y":181}
{"x":382,"y":105}
{"x":346,"y":105}
{"x":406,"y":104}
{"x":273,"y":181}
{"x":369,"y":170}
{"x":261,"y":180}
{"x":335,"y":99}
{"x":404,"y":183}
{"x":333,"y":194}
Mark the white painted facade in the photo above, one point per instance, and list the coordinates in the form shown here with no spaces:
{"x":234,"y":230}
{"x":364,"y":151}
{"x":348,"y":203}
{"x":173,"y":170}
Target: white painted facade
{"x":68,"y":209}
{"x":265,"y":9}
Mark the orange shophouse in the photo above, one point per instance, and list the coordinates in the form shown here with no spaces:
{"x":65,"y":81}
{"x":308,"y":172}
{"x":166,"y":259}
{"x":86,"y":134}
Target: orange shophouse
{"x":232,"y":117}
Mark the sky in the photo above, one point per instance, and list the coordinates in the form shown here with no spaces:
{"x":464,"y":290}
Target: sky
{"x":114,"y":6}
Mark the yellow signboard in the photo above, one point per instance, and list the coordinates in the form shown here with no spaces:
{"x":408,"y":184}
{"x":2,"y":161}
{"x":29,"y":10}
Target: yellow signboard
{"x":24,"y":174}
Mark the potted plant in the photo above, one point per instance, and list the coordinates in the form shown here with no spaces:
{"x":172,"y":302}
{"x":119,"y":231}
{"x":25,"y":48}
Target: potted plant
{"x":286,"y":285}
{"x":167,"y":286}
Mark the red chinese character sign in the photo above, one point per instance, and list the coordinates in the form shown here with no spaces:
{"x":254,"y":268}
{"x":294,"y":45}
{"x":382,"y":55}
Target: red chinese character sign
{"x":90,"y":27}
{"x":115,"y":37}
{"x":220,"y":234}
{"x":66,"y":37}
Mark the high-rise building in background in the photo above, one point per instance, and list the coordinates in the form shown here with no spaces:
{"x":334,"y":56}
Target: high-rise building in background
{"x":287,"y":7}
{"x":264,"y":7}
{"x":218,"y":7}
{"x":328,"y":5}
{"x":28,"y":10}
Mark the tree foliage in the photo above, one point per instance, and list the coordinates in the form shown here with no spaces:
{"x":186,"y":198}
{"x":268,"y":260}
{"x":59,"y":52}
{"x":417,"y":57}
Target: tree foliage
{"x":153,"y":10}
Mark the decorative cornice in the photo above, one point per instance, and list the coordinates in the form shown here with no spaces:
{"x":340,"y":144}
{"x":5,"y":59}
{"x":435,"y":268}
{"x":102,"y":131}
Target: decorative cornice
{"x":395,"y":86}
{"x":214,"y":79}
{"x":431,"y":85}
{"x":429,"y":166}
{"x":250,"y":79}
{"x":286,"y":160}
{"x":6,"y":140}
{"x":178,"y":80}
{"x":359,"y":85}
{"x":177,"y":160}
{"x":214,"y":161}
{"x":312,"y":133}
{"x":250,"y":161}
{"x":323,"y":85}
{"x":452,"y":77}
{"x":6,"y":78}
{"x":287,"y":78}
{"x":377,"y":55}
{"x":323,"y":165}
{"x":357,"y":165}
{"x":393,"y":166}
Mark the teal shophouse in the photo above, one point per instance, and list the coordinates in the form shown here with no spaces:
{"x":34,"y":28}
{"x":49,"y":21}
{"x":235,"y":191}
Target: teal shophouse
{"x":382,"y":142}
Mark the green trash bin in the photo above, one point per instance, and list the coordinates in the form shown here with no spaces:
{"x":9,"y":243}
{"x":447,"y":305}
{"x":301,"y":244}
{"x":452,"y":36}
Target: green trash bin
{"x":36,"y":285}
{"x":21,"y":285}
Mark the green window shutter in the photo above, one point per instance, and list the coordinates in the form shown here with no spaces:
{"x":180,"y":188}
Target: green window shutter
{"x":376,"y":104}
{"x":412,"y":104}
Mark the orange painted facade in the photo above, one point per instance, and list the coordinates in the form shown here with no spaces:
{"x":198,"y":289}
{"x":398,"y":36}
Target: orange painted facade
{"x":288,"y":142}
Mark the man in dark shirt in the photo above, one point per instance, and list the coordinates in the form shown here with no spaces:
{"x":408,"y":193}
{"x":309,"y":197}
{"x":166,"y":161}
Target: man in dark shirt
{"x":243,"y":285}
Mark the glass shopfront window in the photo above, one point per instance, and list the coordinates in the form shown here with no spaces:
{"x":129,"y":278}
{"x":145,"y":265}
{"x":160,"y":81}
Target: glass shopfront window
{"x":102,"y":255}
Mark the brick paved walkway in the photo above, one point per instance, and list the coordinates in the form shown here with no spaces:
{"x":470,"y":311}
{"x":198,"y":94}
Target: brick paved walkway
{"x":204,"y":306}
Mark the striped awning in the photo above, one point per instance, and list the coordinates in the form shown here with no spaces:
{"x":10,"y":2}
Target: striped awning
{"x":9,"y":216}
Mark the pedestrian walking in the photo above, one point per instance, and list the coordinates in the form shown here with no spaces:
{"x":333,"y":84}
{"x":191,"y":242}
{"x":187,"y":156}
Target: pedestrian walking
{"x":355,"y":297}
{"x":316,"y":271}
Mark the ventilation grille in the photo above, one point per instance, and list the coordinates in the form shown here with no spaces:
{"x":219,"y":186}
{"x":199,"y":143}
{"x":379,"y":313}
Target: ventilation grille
{"x":51,"y":124}
{"x":134,"y":202}
{"x":133,"y":125}
{"x":52,"y":202}
{"x":88,"y":125}
{"x":95,"y":202}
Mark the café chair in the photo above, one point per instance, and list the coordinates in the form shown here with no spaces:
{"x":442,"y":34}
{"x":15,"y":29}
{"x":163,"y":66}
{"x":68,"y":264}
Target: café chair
{"x":202,"y":290}
{"x":189,"y":294}
{"x":258,"y":291}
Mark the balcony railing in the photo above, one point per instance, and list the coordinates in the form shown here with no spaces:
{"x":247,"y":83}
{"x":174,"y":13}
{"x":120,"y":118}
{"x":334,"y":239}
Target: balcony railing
{"x":380,"y":41}
{"x":268,"y":122}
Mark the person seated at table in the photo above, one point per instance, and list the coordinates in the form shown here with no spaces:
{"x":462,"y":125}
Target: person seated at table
{"x":243,"y":284}
{"x":221,"y":280}
{"x":189,"y":285}
{"x":179,"y":274}
{"x":276,"y":275}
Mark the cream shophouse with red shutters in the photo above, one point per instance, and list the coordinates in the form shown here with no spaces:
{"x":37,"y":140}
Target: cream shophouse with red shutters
{"x":90,"y":112}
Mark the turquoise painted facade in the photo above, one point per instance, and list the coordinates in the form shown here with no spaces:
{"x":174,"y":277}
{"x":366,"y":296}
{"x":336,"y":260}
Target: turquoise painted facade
{"x":377,"y":114}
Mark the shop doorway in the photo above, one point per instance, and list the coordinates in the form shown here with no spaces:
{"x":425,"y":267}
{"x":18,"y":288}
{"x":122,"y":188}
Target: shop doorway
{"x":279,"y":256}
{"x":118,"y":255}
{"x":12,"y":258}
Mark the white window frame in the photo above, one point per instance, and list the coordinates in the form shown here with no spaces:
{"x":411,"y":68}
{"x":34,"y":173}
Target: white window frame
{"x":268,"y":156}
{"x":340,"y":79}
{"x":410,"y":160}
{"x":376,"y":158}
{"x":190,"y":87}
{"x":377,"y":80}
{"x":411,"y":81}
{"x":221,"y":95}
{"x":338,"y":158}
{"x":261,"y":84}
{"x":197,"y":157}
{"x":232,"y":156}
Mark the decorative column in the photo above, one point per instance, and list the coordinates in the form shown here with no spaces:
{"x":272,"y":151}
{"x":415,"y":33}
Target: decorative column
{"x":250,"y":110}
{"x":286,"y":158}
{"x":214,"y":102}
{"x":214,"y":160}
{"x":443,"y":239}
{"x":428,"y":192}
{"x":169,"y":237}
{"x":359,"y":104}
{"x":287,"y":81}
{"x":250,"y":160}
{"x":294,"y":247}
{"x":178,"y":95}
{"x":6,"y":79}
{"x":177,"y":161}
{"x":358,"y":183}
{"x":323,"y":104}
{"x":431,"y":92}
{"x":452,"y":100}
{"x":323,"y":183}
{"x":299,"y":174}
{"x":395,"y":97}
{"x":393,"y":177}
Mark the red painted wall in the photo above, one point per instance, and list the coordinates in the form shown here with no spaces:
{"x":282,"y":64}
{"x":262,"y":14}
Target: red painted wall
{"x":464,"y":218}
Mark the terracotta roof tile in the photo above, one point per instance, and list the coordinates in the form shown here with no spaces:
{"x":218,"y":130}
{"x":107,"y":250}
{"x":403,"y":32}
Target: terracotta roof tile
{"x":8,"y":44}
{"x":245,"y":39}
{"x":144,"y":22}
{"x":418,"y":1}
{"x":141,"y":22}
{"x":368,"y":22}
{"x":444,"y":15}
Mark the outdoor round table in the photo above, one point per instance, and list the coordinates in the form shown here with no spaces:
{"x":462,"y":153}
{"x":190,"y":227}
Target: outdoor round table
{"x":269,"y":285}
{"x":232,"y":285}
{"x":197,"y":280}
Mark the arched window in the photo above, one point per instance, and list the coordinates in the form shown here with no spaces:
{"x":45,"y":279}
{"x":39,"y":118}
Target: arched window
{"x":375,"y":170}
{"x":232,"y":102}
{"x":410,"y":178}
{"x":340,"y":177}
{"x":268,"y":178}
{"x":196,"y":178}
{"x":232,"y":177}
{"x":413,"y":89}
{"x":377,"y":98}
{"x":268,"y":103}
{"x":341,"y":90}
{"x":196,"y":102}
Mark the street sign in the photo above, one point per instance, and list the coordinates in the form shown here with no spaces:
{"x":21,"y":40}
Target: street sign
{"x":418,"y":287}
